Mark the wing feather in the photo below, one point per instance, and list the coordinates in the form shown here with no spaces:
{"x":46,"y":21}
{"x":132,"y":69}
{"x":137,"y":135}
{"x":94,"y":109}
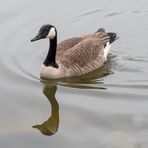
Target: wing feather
{"x":67,"y":44}
{"x":85,"y":55}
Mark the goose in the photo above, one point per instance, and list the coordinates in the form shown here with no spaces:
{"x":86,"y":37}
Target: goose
{"x":75,"y":56}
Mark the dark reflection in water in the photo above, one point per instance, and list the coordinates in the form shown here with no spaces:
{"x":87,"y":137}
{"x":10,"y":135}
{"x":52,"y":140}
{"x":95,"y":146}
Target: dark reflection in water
{"x":50,"y":126}
{"x":92,"y":80}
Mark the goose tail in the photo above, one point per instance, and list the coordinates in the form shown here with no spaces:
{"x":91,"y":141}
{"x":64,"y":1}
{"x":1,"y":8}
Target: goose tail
{"x":100,"y":30}
{"x":113,"y":37}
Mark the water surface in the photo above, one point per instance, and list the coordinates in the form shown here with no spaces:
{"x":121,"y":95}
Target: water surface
{"x":107,"y":108}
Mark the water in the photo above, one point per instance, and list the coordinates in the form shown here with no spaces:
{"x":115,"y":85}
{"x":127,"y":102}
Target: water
{"x":107,"y":108}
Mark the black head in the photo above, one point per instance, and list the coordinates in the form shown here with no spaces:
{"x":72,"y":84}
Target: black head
{"x":46,"y":31}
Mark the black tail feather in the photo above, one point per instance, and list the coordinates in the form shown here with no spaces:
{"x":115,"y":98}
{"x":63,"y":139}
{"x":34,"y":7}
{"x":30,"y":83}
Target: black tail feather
{"x":113,"y":37}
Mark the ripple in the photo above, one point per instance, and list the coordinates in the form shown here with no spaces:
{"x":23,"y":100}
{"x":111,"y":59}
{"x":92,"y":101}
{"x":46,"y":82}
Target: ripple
{"x":138,"y":86}
{"x":136,"y":11}
{"x":91,"y":12}
{"x":111,"y":14}
{"x":126,"y":68}
{"x":137,"y":59}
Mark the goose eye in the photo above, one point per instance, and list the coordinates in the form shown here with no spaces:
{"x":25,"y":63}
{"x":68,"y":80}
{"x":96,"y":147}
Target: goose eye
{"x":44,"y":32}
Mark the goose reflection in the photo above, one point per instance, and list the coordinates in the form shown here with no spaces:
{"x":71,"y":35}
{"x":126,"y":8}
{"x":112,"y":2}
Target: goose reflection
{"x":93,"y":80}
{"x":50,"y":126}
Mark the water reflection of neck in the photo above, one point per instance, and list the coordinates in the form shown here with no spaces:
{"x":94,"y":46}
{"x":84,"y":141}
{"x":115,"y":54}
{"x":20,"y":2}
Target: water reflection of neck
{"x":50,"y":126}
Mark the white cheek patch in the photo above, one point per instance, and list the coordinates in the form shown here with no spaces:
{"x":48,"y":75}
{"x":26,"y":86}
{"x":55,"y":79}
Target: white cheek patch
{"x":51,"y":33}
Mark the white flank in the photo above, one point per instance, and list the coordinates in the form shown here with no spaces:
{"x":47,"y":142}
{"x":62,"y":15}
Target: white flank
{"x":51,"y":33}
{"x":106,"y":50}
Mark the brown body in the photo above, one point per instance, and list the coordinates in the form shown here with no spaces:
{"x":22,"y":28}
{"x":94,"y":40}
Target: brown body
{"x":81,"y":55}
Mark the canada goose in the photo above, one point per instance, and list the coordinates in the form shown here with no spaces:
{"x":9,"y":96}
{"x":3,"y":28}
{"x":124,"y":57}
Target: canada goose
{"x":75,"y":56}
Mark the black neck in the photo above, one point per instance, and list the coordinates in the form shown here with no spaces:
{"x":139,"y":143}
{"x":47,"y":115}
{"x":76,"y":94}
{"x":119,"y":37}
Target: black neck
{"x":51,"y":56}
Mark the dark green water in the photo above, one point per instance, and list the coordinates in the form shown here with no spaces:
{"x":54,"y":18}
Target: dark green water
{"x":107,"y":108}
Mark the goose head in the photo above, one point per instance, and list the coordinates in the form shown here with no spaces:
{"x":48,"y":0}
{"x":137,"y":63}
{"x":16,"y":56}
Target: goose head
{"x":46,"y":31}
